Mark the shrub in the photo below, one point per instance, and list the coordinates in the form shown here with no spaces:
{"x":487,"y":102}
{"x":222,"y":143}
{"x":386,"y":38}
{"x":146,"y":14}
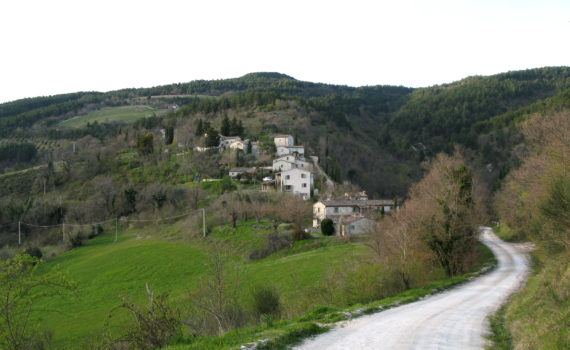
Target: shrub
{"x":299,"y":235}
{"x":34,"y":252}
{"x":153,"y":326}
{"x":275,"y":242}
{"x":76,"y":241}
{"x":266,"y":301}
{"x":327,"y":227}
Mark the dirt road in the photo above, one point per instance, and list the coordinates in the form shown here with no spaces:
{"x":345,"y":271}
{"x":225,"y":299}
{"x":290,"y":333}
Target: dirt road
{"x":455,"y":319}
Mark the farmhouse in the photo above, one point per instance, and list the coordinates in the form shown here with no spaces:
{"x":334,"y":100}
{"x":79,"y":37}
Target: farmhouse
{"x":297,"y":181}
{"x":226,"y":141}
{"x":242,"y":145}
{"x":290,"y":162}
{"x":283,"y":140}
{"x":292,"y":150}
{"x":355,"y":225}
{"x":235,"y":172}
{"x":337,"y":209}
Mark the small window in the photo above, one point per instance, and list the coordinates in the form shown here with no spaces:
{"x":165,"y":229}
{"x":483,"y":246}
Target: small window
{"x":304,"y":185}
{"x":336,"y":210}
{"x":287,"y":177}
{"x":352,"y":227}
{"x":303,"y":176}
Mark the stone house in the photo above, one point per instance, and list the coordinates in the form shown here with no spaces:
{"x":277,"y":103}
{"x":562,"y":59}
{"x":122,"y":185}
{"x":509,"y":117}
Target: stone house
{"x":355,"y":225}
{"x":227,"y":141}
{"x":235,"y":172}
{"x":292,"y":150}
{"x":338,"y":209}
{"x":289,"y":162}
{"x":297,"y":181}
{"x":283,"y":140}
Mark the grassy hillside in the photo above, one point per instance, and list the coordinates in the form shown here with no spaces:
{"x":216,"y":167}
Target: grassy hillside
{"x":106,"y":271}
{"x":534,"y":203}
{"x":125,"y":114}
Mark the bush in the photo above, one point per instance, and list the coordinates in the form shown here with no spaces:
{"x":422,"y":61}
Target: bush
{"x":275,"y":242}
{"x":327,"y":227}
{"x":266,"y":301}
{"x":34,"y":252}
{"x":299,"y":235}
{"x":76,"y":241}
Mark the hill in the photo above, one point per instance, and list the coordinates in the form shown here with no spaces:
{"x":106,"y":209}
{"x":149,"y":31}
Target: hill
{"x":77,"y":167}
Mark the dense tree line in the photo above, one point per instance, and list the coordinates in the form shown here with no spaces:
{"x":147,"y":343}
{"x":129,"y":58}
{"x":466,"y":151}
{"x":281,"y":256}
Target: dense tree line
{"x":18,"y":152}
{"x":31,"y":115}
{"x":443,"y":115}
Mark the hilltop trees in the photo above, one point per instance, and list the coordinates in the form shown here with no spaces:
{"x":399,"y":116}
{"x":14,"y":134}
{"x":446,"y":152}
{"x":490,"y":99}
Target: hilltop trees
{"x":145,"y":144}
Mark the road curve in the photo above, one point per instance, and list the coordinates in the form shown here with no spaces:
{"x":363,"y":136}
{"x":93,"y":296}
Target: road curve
{"x":455,"y":319}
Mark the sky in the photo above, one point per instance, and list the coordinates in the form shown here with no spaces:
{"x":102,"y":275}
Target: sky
{"x":57,"y":46}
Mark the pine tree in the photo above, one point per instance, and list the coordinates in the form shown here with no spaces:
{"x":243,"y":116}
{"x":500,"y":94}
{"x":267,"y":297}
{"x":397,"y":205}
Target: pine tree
{"x":226,"y":127}
{"x":199,"y":128}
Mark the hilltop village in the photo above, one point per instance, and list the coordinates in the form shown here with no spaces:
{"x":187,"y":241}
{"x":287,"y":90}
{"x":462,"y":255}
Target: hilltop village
{"x":352,"y":213}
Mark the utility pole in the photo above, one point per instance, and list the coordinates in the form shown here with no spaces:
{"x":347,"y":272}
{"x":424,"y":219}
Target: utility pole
{"x":116,"y":223}
{"x":63,"y":231}
{"x":204,"y":222}
{"x":19,"y":234}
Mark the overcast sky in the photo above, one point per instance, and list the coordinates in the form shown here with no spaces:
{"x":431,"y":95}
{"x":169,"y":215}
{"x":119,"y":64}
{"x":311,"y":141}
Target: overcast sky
{"x":54,"y":46}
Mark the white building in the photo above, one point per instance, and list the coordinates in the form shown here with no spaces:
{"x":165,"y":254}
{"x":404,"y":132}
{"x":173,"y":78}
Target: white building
{"x":290,"y":162}
{"x":285,"y":150}
{"x":227,"y":141}
{"x":242,"y":145}
{"x":235,"y":172}
{"x":297,"y":181}
{"x":283,"y":140}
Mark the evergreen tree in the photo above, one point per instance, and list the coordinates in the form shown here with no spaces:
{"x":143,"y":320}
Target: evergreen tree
{"x":213,"y":138}
{"x":169,"y":135}
{"x":199,"y":128}
{"x":226,"y":126}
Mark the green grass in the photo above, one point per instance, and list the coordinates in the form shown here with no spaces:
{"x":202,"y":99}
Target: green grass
{"x":508,"y":234}
{"x":127,"y":114}
{"x":500,"y":335}
{"x":321,"y":318}
{"x":538,"y":317}
{"x":106,"y":271}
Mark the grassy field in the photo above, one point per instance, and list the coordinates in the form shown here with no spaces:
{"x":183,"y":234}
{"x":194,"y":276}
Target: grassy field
{"x":107,"y":271}
{"x":538,"y":316}
{"x":127,"y":114}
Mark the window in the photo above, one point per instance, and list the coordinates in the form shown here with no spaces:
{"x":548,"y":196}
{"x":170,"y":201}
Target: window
{"x":304,"y":185}
{"x":355,"y":210}
{"x":352,"y":227}
{"x":287,"y":177}
{"x":303,"y":176}
{"x":336,"y":209}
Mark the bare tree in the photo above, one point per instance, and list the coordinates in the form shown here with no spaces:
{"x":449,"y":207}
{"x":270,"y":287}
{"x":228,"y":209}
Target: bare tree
{"x":218,"y":294}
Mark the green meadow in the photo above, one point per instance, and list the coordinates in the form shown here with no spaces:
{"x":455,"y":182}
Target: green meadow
{"x":108,"y":271}
{"x":126,"y":114}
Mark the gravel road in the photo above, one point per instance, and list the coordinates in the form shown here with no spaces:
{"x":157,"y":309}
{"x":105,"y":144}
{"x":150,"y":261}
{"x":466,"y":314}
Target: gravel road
{"x":455,"y":319}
